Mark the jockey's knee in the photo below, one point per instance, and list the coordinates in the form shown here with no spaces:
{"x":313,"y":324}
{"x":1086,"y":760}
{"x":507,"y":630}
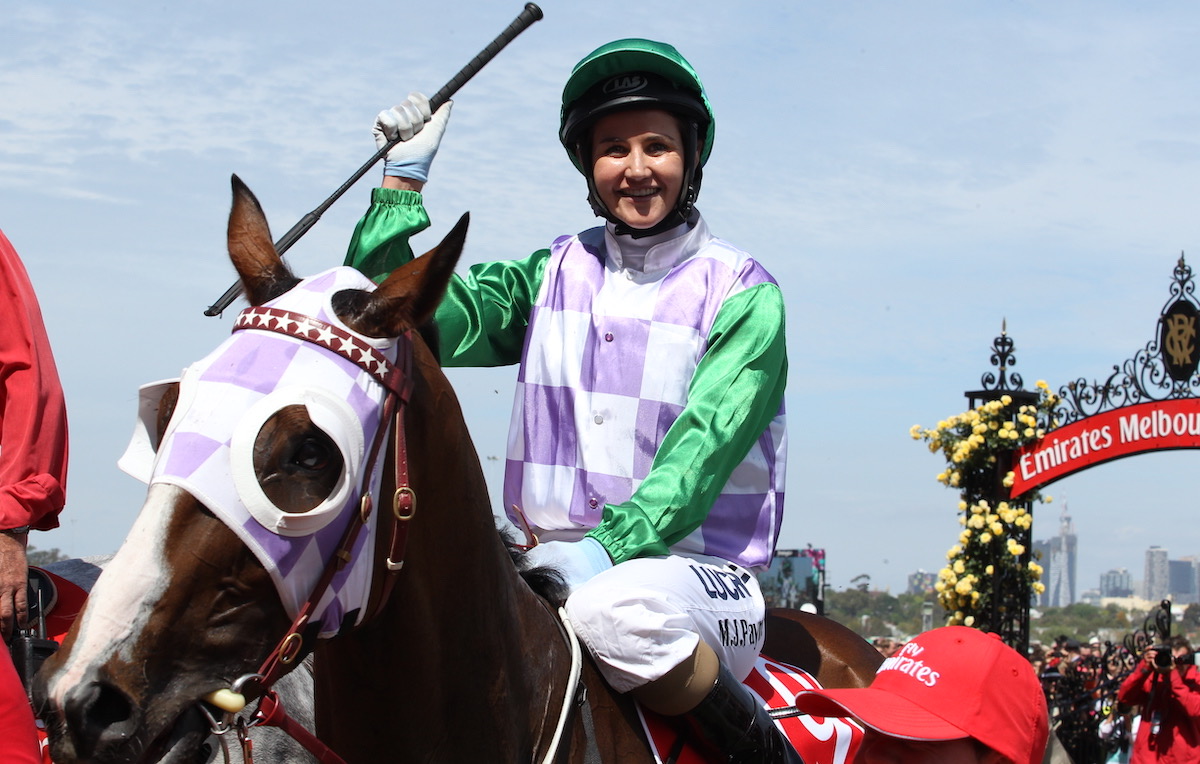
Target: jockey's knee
{"x":635,"y":636}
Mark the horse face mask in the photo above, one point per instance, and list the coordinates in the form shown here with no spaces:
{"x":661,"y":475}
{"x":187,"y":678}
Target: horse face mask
{"x":225,"y":401}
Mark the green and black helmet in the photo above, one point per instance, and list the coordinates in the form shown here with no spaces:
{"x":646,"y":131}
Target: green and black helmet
{"x":638,"y":74}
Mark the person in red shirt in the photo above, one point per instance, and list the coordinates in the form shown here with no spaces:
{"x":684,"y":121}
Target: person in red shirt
{"x":953,"y":695}
{"x":1168,"y":690}
{"x":33,"y":473}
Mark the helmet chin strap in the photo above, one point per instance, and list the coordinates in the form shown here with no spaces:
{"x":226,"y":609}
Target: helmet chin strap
{"x":689,"y":189}
{"x":672,"y":220}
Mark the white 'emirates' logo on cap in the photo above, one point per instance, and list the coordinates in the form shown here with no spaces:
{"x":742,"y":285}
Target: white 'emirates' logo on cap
{"x":907,"y":662}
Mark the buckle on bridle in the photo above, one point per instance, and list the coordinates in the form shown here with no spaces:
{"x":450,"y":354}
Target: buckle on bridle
{"x":404,"y":495}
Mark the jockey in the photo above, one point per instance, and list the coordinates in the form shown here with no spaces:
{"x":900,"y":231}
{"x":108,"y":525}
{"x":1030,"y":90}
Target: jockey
{"x":647,"y":447}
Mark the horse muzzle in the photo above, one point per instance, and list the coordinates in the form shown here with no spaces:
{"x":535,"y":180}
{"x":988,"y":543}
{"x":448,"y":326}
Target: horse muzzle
{"x":97,"y":722}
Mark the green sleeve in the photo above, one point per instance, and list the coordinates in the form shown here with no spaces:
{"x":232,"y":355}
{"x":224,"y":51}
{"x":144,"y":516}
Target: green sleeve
{"x":482,"y":319}
{"x":734,"y":394}
{"x":380,"y":241}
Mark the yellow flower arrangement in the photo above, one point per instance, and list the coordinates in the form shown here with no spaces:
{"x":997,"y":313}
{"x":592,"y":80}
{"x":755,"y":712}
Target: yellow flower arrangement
{"x":976,"y":445}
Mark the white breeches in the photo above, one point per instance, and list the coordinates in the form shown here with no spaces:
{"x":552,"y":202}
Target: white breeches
{"x":643,"y":617}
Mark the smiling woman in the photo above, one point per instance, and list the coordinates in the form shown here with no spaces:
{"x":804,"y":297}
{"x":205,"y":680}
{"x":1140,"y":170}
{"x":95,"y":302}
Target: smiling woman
{"x":638,"y":165}
{"x":647,"y":447}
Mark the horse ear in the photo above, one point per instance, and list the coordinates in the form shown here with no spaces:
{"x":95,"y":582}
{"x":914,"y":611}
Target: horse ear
{"x":408,"y":297}
{"x":252,"y":250}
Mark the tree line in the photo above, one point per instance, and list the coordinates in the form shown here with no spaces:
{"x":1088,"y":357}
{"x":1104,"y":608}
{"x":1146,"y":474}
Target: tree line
{"x":882,"y":614}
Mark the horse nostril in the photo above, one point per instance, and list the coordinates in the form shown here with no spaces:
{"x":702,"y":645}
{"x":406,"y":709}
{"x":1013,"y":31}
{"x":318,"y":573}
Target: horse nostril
{"x":110,"y":707}
{"x":96,"y":713}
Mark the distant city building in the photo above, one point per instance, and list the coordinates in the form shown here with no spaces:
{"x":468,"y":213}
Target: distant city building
{"x":921,"y":582}
{"x":1058,"y":557}
{"x":1158,"y":574}
{"x":1181,"y":578}
{"x":1116,"y":583}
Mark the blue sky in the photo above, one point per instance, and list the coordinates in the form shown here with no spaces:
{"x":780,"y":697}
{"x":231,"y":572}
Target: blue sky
{"x":913,"y":175}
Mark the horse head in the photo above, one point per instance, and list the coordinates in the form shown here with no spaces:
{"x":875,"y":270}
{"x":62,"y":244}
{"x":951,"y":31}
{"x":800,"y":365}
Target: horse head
{"x":264,"y":473}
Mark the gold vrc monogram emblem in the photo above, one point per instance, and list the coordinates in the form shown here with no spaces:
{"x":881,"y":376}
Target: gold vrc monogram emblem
{"x":1180,"y":350}
{"x":1181,"y":338}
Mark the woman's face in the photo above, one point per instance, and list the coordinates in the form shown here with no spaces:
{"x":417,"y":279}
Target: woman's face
{"x":637,"y":165}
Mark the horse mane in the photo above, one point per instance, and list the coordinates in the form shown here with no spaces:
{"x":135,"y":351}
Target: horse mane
{"x":545,"y":581}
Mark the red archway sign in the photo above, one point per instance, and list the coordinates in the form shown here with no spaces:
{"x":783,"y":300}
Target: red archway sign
{"x":1121,"y":432}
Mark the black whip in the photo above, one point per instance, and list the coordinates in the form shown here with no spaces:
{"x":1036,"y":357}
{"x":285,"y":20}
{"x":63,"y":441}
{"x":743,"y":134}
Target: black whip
{"x":527,"y":17}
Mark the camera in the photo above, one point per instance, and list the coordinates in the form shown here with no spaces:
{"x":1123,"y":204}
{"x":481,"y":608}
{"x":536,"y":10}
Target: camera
{"x":1162,"y":656}
{"x":30,"y":646}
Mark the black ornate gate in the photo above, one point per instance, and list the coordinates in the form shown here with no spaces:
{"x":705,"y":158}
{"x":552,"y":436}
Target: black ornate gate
{"x":1164,"y":369}
{"x":1007,"y":610}
{"x":1149,"y":402}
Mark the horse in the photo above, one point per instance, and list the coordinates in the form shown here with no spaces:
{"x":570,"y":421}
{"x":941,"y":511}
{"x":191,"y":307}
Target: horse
{"x":70,"y":580}
{"x":445,"y":653}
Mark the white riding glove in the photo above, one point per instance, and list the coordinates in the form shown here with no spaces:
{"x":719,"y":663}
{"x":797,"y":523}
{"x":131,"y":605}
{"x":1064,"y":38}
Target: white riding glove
{"x":578,"y":561}
{"x":418,"y":145}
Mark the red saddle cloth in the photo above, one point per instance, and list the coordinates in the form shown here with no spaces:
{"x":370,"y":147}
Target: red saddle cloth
{"x":818,"y":740}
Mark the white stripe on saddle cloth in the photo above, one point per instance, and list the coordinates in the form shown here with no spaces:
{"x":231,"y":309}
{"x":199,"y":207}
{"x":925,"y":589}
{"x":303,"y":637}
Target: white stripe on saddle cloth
{"x":817,"y":739}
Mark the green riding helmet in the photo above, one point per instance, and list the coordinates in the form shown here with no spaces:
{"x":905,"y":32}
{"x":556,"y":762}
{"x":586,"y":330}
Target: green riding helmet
{"x":633,"y":74}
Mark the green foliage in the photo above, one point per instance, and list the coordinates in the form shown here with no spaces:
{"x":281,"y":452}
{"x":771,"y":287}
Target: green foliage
{"x":1190,"y":622}
{"x":1081,"y":620}
{"x":873,"y":613}
{"x":870,"y":613}
{"x":43,"y":557}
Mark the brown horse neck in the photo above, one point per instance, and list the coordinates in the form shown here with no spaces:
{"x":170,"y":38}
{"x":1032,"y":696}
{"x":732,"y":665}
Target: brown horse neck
{"x":480,"y":660}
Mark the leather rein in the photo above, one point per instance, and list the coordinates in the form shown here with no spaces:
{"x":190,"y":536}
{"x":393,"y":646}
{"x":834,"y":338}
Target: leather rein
{"x":396,"y":379}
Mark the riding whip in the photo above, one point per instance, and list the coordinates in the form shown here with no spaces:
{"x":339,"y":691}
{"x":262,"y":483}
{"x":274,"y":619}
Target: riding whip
{"x":527,"y":17}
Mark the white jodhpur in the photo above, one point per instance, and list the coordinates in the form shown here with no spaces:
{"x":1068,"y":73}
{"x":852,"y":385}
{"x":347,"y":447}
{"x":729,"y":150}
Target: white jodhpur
{"x":642,"y":618}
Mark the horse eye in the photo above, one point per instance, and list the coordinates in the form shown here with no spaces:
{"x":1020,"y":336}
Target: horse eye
{"x":312,"y":454}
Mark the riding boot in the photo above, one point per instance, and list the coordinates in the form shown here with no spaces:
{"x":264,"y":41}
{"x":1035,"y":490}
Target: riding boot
{"x":734,"y":724}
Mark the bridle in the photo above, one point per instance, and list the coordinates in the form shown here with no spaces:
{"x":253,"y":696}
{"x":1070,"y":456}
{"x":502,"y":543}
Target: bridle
{"x":396,"y":379}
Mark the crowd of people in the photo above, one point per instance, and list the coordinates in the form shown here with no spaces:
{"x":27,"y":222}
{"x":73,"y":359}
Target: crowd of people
{"x":1110,"y":703}
{"x":887,"y":646}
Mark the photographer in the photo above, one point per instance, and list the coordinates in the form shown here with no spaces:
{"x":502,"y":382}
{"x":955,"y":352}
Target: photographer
{"x":1167,"y":687}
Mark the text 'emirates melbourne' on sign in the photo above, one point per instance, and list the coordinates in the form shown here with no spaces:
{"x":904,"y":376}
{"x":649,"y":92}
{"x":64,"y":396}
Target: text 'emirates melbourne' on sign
{"x":1159,"y":425}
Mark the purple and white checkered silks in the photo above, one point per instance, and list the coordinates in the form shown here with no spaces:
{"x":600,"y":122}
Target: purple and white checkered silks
{"x":225,"y":398}
{"x":609,"y":355}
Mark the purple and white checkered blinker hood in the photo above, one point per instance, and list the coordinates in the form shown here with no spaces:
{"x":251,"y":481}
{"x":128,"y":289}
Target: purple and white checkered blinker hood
{"x":225,"y":399}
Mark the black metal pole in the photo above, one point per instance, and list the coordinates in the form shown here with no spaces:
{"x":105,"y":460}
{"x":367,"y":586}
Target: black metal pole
{"x":527,"y":17}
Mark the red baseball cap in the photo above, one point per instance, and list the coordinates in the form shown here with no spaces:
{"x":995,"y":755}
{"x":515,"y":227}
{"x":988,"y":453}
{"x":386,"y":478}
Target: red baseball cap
{"x":946,"y":684}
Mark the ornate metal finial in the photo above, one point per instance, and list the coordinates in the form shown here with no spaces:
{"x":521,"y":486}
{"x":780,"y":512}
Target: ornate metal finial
{"x":1183,"y":276}
{"x":1003,"y":359}
{"x":1165,"y":368}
